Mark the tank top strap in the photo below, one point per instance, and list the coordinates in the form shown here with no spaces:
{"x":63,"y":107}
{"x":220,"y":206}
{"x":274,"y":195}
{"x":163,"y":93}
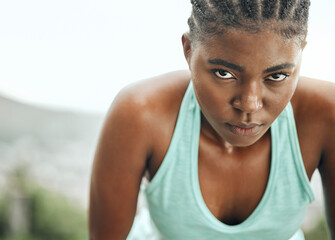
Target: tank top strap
{"x":288,"y":136}
{"x":182,"y":137}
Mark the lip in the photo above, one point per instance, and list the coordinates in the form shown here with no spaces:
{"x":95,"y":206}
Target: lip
{"x":242,"y":129}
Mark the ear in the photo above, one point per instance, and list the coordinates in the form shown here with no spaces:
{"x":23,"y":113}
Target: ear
{"x":187,"y":47}
{"x":303,"y":45}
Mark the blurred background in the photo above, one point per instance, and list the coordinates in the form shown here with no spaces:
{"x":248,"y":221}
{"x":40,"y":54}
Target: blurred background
{"x":61,"y":65}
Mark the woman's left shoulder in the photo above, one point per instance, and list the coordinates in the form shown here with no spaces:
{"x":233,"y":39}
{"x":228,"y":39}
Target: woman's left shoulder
{"x":313,"y":105}
{"x":314,"y":101}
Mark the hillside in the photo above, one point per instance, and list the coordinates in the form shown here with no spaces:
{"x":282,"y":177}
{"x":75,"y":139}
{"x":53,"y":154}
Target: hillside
{"x":55,"y":147}
{"x":18,"y":119}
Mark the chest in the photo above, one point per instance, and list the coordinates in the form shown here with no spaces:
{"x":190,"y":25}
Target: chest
{"x":233,"y":184}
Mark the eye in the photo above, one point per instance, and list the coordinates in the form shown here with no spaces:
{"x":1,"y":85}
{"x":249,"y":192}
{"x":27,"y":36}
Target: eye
{"x":223,"y":74}
{"x":277,"y":77}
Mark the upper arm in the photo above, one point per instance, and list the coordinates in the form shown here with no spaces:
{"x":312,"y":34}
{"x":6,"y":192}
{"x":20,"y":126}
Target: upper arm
{"x":119,"y":164}
{"x":327,"y":171}
{"x":327,"y":163}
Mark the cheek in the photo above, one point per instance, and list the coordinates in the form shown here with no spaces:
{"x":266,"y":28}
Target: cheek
{"x":276,"y":101}
{"x":212,"y":100}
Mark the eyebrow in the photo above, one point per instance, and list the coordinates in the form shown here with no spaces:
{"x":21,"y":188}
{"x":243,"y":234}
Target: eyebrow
{"x":226,"y":64}
{"x":241,"y":69}
{"x":279,"y":67}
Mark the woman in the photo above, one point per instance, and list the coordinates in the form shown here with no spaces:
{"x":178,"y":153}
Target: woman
{"x":229,"y":147}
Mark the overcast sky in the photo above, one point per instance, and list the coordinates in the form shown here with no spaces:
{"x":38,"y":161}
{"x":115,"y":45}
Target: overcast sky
{"x":77,"y":54}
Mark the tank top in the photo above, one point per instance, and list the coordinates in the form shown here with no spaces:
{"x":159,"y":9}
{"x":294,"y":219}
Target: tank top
{"x":177,"y":208}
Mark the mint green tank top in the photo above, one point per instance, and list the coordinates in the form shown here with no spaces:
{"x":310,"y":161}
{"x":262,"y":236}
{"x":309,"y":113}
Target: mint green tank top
{"x":177,"y":208}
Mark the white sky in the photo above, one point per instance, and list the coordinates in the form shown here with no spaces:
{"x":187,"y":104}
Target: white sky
{"x":77,"y":54}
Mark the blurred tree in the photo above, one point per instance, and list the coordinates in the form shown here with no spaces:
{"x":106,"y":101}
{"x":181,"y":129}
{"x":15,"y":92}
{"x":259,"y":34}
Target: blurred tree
{"x":51,"y":215}
{"x":320,"y":232}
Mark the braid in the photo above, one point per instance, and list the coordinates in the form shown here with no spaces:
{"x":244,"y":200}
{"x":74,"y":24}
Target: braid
{"x":226,"y":6}
{"x":210,"y":17}
{"x":197,"y":7}
{"x":202,"y":20}
{"x":301,"y":12}
{"x":285,"y":8}
{"x":226,"y":9}
{"x":269,"y":8}
{"x":250,"y":9}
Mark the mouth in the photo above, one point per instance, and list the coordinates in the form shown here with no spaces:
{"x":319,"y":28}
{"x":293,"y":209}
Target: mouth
{"x":241,"y":129}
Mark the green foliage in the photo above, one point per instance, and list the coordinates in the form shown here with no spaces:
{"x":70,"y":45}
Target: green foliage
{"x":3,"y":215}
{"x":55,"y":218}
{"x":52,"y":216}
{"x":320,"y":232}
{"x":20,"y":237}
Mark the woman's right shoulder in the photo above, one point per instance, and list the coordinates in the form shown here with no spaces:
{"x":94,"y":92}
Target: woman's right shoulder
{"x":151,"y":105}
{"x":158,"y":95}
{"x":163,"y":88}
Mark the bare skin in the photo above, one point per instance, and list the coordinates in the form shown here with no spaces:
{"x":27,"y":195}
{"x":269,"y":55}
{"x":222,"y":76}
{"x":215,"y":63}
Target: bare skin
{"x":145,"y":115}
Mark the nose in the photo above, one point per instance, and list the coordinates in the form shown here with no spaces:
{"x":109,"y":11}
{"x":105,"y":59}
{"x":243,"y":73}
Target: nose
{"x":249,"y":97}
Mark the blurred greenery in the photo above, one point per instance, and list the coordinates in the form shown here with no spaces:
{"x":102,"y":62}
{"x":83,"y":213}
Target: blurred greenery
{"x":320,"y":232}
{"x":52,"y":216}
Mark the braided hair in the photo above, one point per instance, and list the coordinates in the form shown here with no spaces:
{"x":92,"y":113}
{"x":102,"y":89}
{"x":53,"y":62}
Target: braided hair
{"x":286,"y":17}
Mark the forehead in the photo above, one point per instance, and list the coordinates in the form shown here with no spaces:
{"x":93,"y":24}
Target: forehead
{"x":244,"y":48}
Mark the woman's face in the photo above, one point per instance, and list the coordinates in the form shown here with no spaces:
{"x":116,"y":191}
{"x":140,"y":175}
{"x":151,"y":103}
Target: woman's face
{"x":243,"y":81}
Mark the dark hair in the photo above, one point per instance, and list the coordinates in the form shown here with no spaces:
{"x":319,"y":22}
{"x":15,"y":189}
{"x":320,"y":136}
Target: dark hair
{"x":286,"y":17}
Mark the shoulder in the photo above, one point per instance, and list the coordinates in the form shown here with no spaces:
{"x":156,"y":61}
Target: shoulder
{"x":314,"y":112}
{"x":156,"y":95}
{"x":150,"y":104}
{"x":314,"y":101}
